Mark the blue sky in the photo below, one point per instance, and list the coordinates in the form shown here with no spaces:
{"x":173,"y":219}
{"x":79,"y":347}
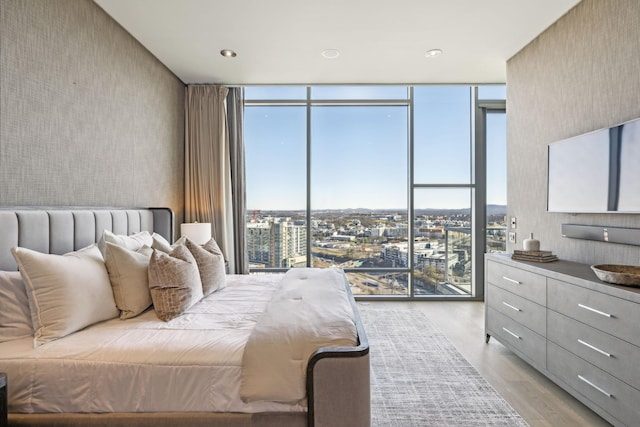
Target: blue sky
{"x":359,"y":153}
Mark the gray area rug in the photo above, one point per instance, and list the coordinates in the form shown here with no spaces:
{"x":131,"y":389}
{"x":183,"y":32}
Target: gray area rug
{"x":418,"y":378}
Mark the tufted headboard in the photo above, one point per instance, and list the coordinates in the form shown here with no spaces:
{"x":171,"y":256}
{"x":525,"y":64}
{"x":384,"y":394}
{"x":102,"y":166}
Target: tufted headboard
{"x":62,"y":230}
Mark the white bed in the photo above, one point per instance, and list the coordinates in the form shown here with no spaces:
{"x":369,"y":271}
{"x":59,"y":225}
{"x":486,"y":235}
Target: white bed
{"x":144,"y":371}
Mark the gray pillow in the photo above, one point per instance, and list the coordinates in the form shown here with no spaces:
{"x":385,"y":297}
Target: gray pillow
{"x":174,"y":282}
{"x":210,"y":264}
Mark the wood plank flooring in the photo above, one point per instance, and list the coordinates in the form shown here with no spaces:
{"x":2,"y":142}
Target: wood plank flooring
{"x":538,"y":400}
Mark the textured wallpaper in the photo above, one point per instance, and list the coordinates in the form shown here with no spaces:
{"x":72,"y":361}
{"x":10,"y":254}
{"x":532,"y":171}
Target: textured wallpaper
{"x":580,"y":75}
{"x":87,"y":115}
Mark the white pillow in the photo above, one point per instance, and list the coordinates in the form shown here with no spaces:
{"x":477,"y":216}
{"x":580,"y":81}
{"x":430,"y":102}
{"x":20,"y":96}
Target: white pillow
{"x":133,"y":242}
{"x":128,"y":273}
{"x":160,"y":243}
{"x":15,"y":316}
{"x":66,"y":292}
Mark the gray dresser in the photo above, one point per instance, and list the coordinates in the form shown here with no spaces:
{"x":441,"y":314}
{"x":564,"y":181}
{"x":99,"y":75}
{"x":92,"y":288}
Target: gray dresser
{"x":582,"y":333}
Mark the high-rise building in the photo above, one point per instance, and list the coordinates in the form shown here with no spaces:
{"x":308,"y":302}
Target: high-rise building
{"x":259,"y":243}
{"x":277,"y":243}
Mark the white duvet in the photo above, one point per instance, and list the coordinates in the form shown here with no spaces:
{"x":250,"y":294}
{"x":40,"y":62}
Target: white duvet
{"x":311,"y":309}
{"x":190,"y":364}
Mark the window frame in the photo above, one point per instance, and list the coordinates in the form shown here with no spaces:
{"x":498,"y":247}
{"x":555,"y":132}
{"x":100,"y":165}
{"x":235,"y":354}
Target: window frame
{"x":477,"y":186}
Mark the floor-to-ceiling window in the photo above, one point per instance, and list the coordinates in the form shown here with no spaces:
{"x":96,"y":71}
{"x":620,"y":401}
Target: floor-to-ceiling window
{"x":496,"y":180}
{"x":442,"y":190}
{"x":377,"y":180}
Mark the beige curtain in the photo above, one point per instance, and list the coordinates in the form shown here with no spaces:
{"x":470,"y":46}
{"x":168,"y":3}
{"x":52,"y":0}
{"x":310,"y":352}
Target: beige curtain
{"x":208,"y":196}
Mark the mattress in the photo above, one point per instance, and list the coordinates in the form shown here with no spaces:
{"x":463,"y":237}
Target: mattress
{"x":189,"y":364}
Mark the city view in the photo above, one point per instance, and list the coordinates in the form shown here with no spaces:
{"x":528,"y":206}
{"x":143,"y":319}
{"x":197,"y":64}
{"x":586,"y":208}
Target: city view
{"x":366,"y":160}
{"x":376,"y":239}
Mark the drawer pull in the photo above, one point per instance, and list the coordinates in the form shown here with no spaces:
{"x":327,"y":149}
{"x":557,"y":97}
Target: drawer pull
{"x":511,"y":280}
{"x":511,"y":333}
{"x":510,"y":306}
{"x":606,"y":393}
{"x":593,"y":347}
{"x":602,"y":313}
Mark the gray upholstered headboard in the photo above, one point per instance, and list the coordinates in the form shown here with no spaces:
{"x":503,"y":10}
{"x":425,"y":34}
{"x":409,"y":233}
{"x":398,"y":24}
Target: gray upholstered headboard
{"x":62,"y":230}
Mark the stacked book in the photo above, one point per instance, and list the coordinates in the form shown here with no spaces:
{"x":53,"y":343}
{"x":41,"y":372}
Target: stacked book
{"x":535,"y":256}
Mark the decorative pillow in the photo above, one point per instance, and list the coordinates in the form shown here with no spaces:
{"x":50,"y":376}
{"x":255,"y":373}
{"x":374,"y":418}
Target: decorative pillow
{"x":66,"y":292}
{"x":210,"y":264}
{"x":129,"y":276}
{"x":15,"y":317}
{"x":174,"y":282}
{"x":133,"y":242}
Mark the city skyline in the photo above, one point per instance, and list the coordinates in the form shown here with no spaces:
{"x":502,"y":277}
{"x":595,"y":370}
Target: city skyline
{"x":492,"y":209}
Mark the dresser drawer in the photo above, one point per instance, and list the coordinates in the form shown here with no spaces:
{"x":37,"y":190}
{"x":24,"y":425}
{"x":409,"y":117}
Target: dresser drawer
{"x":522,"y":340}
{"x":614,"y":356}
{"x":525,"y":312}
{"x":528,"y":285}
{"x":604,"y":312}
{"x":610,"y":394}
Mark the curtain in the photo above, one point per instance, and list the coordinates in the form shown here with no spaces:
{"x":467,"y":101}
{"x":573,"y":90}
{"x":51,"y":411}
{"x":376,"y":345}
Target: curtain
{"x":208,"y":188}
{"x":235,"y":121}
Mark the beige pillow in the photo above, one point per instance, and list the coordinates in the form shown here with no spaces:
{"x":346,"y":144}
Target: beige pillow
{"x":163,"y":245}
{"x":66,"y":292}
{"x":160,"y":243}
{"x":174,"y":282}
{"x":129,"y":276}
{"x":210,"y":264}
{"x":133,"y":242}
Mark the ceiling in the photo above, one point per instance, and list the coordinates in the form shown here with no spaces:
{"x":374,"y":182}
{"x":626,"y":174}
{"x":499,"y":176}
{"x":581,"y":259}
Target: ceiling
{"x":379,"y":41}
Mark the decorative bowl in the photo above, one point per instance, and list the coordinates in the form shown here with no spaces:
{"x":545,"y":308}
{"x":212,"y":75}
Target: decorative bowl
{"x":628,"y":275}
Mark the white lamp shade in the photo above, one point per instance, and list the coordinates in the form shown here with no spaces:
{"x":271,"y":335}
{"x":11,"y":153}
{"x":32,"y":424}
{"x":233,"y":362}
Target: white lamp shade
{"x":197,"y":232}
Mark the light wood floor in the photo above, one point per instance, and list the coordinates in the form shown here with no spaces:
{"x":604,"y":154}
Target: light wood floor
{"x":538,"y":400}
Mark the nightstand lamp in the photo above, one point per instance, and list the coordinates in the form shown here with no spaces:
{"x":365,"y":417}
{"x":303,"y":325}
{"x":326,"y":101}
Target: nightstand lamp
{"x":197,"y":232}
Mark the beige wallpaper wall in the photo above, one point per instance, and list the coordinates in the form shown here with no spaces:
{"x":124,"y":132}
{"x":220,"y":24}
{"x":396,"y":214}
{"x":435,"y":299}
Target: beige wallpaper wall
{"x":87,"y":115}
{"x":580,"y":75}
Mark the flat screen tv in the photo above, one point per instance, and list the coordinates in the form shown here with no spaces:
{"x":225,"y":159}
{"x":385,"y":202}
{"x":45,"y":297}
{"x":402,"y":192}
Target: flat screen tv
{"x":598,"y":172}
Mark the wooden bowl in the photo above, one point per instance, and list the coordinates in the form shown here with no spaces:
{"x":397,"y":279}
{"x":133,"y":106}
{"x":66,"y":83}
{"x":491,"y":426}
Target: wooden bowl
{"x":628,"y":275}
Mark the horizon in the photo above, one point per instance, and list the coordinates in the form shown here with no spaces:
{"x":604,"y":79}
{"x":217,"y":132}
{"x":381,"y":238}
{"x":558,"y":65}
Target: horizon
{"x":390,"y":210}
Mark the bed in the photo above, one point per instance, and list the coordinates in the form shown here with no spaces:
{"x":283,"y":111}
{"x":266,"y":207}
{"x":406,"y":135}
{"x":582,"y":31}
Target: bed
{"x":217,"y":363}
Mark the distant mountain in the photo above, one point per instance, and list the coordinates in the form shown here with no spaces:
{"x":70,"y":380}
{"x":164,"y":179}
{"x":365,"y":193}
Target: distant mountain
{"x":491,"y":210}
{"x":496,"y":209}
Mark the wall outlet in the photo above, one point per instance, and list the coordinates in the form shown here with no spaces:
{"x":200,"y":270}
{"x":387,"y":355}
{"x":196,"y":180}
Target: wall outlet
{"x":513,"y":222}
{"x":512,"y":237}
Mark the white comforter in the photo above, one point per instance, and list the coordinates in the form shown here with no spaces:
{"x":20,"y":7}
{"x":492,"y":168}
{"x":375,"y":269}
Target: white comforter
{"x":310,"y":309}
{"x":192,"y":363}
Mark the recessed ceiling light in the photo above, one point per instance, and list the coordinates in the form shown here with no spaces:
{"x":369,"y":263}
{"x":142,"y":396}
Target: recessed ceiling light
{"x":228,"y":53}
{"x":433,"y":53}
{"x":330,"y":53}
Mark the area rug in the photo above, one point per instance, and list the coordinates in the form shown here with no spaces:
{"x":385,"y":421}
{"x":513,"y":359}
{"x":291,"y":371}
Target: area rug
{"x":418,"y":378}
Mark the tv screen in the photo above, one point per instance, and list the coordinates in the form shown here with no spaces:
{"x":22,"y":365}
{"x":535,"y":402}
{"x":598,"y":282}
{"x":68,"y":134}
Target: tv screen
{"x":596,"y":172}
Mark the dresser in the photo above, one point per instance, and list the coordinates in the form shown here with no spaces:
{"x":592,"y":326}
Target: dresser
{"x":582,"y":333}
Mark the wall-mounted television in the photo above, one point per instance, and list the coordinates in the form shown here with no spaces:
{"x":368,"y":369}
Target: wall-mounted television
{"x":596,"y":172}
